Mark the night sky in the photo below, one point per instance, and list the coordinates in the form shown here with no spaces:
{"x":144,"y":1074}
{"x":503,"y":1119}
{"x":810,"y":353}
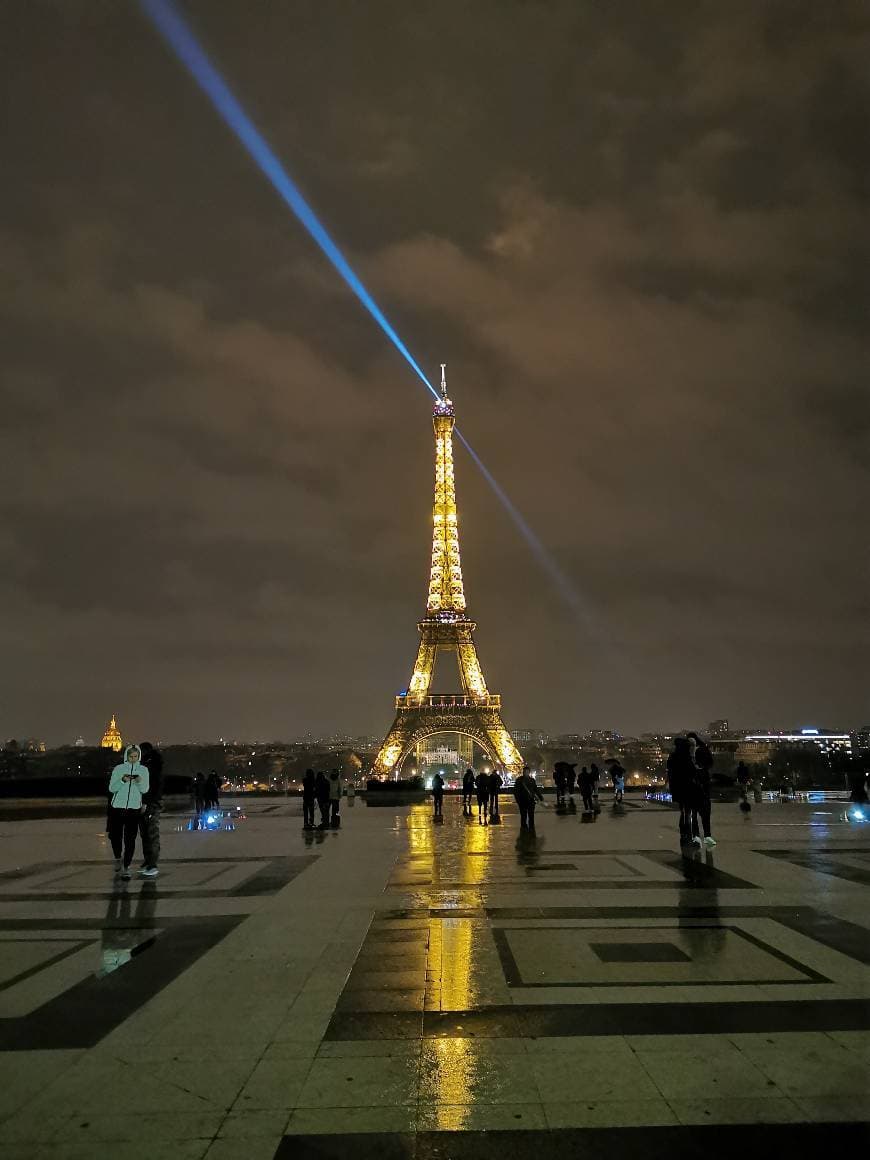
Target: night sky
{"x":638,"y":234}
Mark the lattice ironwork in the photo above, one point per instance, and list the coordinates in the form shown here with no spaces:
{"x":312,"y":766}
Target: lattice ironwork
{"x":446,"y":628}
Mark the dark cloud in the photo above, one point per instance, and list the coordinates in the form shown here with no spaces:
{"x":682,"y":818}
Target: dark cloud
{"x":638,"y":233}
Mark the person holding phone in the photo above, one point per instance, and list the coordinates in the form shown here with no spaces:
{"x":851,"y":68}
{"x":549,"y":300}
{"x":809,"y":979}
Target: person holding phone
{"x":128,"y":783}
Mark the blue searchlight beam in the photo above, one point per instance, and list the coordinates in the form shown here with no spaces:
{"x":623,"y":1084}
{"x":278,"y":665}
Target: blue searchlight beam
{"x":192,"y":55}
{"x":183,"y":43}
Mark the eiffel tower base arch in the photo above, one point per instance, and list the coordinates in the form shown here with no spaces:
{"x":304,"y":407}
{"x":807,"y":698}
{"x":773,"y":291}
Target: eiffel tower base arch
{"x":481,"y":723}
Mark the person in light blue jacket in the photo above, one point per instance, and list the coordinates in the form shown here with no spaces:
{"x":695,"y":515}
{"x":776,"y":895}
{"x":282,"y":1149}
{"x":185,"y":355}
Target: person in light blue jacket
{"x":129,"y":781}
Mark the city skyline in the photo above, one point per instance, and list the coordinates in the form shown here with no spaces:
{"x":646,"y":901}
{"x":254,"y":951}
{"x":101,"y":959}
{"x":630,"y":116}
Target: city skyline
{"x":644,"y":265}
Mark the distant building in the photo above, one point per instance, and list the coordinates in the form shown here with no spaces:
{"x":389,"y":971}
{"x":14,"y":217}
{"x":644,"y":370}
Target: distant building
{"x":112,"y":737}
{"x":529,"y":736}
{"x":717,"y":730}
{"x":861,"y":741}
{"x":599,"y":738}
{"x":79,"y":743}
{"x":827,"y":741}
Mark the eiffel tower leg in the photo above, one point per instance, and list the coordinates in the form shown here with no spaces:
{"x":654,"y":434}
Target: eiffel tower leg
{"x":393,"y":749}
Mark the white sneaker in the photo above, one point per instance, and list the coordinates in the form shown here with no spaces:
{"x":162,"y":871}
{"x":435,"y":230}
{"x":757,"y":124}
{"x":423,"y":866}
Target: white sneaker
{"x":696,"y":842}
{"x":709,"y":842}
{"x":148,"y":872}
{"x":125,"y":873}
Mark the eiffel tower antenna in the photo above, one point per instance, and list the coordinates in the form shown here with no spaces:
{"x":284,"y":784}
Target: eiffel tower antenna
{"x":446,"y":627}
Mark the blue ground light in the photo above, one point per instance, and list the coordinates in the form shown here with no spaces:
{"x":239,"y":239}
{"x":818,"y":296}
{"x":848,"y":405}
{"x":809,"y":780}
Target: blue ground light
{"x":184,"y":44}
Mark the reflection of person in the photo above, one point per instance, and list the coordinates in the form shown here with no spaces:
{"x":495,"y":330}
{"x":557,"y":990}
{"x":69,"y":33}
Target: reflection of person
{"x":127,"y":784}
{"x":527,"y":796}
{"x":438,"y":794}
{"x":152,"y":799}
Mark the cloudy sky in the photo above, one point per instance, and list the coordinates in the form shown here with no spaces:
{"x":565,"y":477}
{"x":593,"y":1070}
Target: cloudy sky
{"x":638,"y":234}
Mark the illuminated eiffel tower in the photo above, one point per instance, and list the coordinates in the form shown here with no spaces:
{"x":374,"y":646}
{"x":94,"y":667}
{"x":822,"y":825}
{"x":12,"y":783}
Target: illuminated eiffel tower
{"x":474,"y":712}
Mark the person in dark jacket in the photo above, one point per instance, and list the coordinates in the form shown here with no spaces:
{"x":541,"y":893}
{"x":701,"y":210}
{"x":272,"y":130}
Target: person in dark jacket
{"x":212,"y":791}
{"x":438,"y":795}
{"x":702,"y":759}
{"x":467,"y":791}
{"x":198,"y":795}
{"x":482,"y":784}
{"x":152,"y":799}
{"x":308,"y":799}
{"x":587,"y":785}
{"x":572,"y":778}
{"x":560,"y":780}
{"x":680,"y":778}
{"x":527,"y":795}
{"x":321,"y":792}
{"x":495,"y":783}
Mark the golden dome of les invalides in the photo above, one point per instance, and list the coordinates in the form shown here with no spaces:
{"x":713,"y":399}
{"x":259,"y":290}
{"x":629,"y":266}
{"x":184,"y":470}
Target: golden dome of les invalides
{"x":112,"y":737}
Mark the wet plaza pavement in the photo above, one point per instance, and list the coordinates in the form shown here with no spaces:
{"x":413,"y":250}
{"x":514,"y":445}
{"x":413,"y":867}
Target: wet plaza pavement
{"x":403,"y":988}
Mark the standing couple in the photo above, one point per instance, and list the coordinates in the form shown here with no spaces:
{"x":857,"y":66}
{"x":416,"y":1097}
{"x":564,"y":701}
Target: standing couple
{"x":136,"y":799}
{"x":689,"y":768}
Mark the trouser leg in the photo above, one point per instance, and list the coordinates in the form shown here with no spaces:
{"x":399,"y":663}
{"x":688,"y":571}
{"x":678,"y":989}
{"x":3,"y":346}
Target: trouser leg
{"x":116,"y":830}
{"x":532,"y":816}
{"x":524,"y":815}
{"x":131,"y":829}
{"x":150,"y":830}
{"x":493,"y":806}
{"x":705,"y":811}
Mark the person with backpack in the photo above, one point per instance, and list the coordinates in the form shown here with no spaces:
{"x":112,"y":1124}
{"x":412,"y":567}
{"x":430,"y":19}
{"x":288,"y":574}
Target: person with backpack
{"x":438,"y":795}
{"x":527,"y":795}
{"x":467,"y":792}
{"x":482,"y":784}
{"x":152,"y":799}
{"x":308,"y":800}
{"x":128,"y":782}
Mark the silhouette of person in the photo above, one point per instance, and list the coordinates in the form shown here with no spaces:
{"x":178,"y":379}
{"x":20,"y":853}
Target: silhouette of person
{"x":438,"y":795}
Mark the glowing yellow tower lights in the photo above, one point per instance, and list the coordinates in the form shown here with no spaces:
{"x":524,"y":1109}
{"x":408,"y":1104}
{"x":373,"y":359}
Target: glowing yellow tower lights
{"x":446,"y":628}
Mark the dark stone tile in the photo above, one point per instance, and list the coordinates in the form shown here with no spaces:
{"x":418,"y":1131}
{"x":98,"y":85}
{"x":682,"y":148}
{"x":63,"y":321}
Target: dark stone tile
{"x":822,"y":862}
{"x":359,"y":1145}
{"x":485,"y":1023}
{"x":89,"y":1010}
{"x":382,"y":999}
{"x":659,"y":952}
{"x":355,"y":1025}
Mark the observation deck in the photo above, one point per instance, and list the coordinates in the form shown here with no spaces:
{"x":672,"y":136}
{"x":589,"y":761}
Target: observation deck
{"x":448,"y":701}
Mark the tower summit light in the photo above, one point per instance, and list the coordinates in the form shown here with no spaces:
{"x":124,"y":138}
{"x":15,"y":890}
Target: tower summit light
{"x":446,"y":627}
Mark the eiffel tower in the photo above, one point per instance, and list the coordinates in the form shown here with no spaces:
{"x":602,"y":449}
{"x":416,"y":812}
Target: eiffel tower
{"x":475,"y":712}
